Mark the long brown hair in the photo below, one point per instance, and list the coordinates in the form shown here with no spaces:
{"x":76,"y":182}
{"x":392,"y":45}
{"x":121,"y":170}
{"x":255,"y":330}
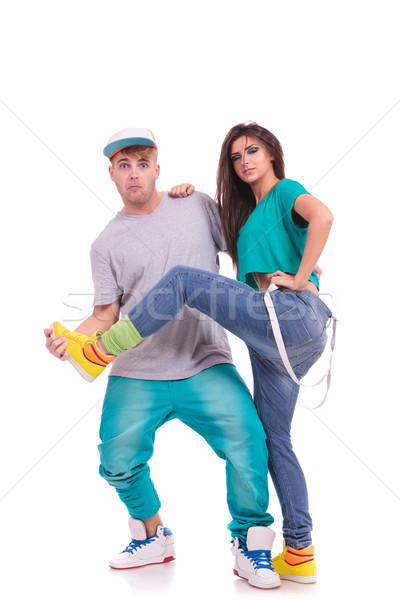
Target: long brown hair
{"x":235,"y":197}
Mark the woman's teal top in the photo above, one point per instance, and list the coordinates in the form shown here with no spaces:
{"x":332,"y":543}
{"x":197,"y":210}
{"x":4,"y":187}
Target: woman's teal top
{"x":271,"y":240}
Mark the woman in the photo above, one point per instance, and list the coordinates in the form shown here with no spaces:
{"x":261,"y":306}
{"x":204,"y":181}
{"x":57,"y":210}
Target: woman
{"x":275,"y":232}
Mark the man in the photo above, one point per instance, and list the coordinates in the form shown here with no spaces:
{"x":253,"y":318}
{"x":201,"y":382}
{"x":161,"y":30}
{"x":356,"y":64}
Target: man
{"x":184,"y":371}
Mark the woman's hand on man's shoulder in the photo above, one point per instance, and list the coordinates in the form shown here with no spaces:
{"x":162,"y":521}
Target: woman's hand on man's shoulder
{"x":182,"y":190}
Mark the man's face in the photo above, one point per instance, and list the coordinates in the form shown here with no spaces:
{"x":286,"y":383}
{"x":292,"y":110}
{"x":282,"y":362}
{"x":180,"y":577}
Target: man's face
{"x":135,"y":177}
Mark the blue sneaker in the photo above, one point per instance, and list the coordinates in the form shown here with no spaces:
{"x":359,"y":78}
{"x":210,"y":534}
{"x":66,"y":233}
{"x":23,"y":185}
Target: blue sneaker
{"x":159,"y":548}
{"x":255,"y":563}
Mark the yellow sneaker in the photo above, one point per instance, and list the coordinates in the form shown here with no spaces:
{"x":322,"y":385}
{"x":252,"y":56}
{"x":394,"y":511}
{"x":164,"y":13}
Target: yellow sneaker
{"x":296,"y":565}
{"x":84,"y":356}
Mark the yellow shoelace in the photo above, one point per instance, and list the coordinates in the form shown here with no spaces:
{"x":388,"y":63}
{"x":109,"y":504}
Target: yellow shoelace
{"x":85,"y":340}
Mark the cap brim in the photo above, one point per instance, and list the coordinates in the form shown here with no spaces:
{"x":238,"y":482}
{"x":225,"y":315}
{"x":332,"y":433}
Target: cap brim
{"x":118,"y":145}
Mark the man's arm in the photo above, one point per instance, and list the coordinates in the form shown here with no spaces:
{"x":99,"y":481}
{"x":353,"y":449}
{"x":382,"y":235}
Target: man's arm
{"x":103,"y":317}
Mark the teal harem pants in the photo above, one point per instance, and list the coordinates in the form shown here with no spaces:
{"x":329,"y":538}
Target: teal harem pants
{"x":217,"y":404}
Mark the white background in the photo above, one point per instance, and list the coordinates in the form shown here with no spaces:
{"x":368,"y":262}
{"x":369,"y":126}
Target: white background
{"x":323,"y":76}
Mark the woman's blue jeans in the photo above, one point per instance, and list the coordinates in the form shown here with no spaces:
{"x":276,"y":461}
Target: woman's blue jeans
{"x":303,"y":319}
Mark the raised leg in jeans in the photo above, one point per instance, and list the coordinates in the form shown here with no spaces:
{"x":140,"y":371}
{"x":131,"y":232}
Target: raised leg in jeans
{"x":232,"y":304}
{"x":238,"y":308}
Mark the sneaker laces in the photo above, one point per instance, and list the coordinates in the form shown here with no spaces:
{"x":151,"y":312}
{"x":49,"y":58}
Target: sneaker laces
{"x":83,"y":340}
{"x":137,"y":544}
{"x":261,"y":559}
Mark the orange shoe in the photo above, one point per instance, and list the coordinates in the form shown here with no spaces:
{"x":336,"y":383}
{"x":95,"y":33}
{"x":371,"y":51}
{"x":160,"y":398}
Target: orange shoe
{"x":296,"y":565}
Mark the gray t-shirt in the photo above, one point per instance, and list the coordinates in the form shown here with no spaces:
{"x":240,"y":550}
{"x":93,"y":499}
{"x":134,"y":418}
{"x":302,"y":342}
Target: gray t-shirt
{"x":132,"y":253}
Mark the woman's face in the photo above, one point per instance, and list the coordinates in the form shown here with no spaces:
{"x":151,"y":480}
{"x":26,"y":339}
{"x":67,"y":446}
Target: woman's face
{"x":251,"y":161}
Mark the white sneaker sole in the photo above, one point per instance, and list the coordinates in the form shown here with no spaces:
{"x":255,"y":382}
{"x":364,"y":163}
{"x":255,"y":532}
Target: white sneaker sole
{"x":267,"y":585}
{"x":81,"y":371}
{"x":143,"y":564}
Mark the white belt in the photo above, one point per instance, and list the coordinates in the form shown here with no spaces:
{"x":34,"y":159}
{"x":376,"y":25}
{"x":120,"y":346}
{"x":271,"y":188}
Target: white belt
{"x":282,"y":350}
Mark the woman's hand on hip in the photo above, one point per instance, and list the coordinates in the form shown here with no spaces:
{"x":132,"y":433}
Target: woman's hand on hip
{"x":287,"y":280}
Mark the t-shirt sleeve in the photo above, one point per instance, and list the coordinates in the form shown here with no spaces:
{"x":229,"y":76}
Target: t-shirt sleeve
{"x":106,"y":289}
{"x":215,"y":222}
{"x":290,"y":192}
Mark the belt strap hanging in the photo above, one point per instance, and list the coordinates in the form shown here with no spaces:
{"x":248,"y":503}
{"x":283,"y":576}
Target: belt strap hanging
{"x":283,"y":354}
